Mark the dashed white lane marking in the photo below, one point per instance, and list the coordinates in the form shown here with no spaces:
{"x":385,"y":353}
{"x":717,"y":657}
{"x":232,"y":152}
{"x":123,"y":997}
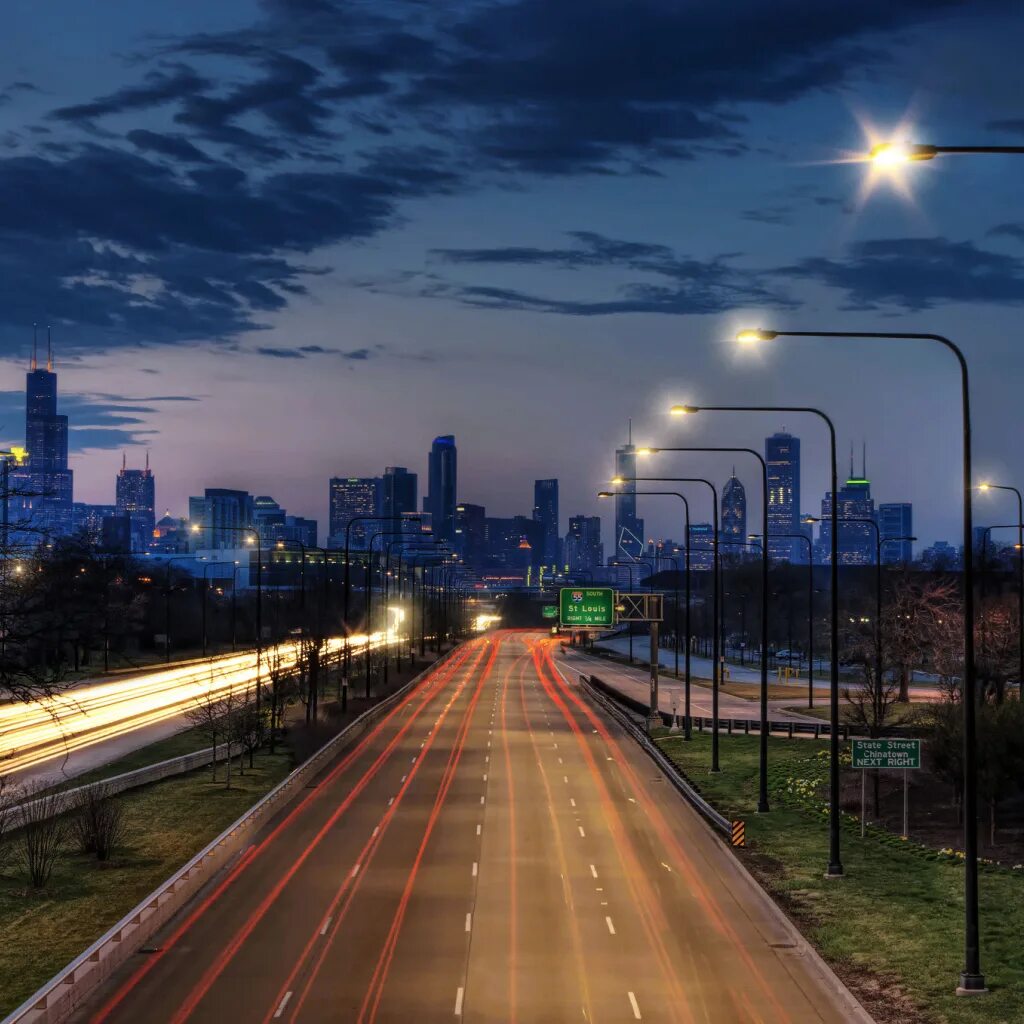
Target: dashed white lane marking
{"x":582,"y":833}
{"x":474,"y":869}
{"x":665,"y":866}
{"x":631,"y":800}
{"x":414,"y":760}
{"x":560,"y":761}
{"x":281,"y":1005}
{"x":391,"y":800}
{"x":632,"y":1002}
{"x":478,"y":828}
{"x":327,"y":924}
{"x":376,"y":829}
{"x":593,"y":870}
{"x":469,"y":922}
{"x":458,"y":1003}
{"x":487,"y":758}
{"x":481,"y":799}
{"x":485,"y":776}
{"x":355,"y":871}
{"x":571,"y":801}
{"x":403,"y":778}
{"x":611,"y":927}
{"x":565,"y":778}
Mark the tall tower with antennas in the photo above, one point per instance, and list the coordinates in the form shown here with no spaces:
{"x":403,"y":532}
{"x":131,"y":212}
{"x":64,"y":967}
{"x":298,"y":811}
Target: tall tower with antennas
{"x":46,"y":441}
{"x":136,"y":498}
{"x":629,"y":530}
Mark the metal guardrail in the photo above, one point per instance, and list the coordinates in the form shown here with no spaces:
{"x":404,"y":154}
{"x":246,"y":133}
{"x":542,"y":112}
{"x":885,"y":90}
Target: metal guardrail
{"x":68,"y":990}
{"x":670,"y":771}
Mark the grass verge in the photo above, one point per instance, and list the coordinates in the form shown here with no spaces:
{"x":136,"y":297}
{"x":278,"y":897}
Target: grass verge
{"x":893,"y":927}
{"x":168,"y":822}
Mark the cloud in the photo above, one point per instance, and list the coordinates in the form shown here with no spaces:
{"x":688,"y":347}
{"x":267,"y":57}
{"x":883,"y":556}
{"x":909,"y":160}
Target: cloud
{"x":94,"y":420}
{"x":159,"y":87}
{"x":129,"y":251}
{"x":1015,"y":231}
{"x":687,"y":285}
{"x":776,"y":215}
{"x":302,"y":351}
{"x":8,"y":92}
{"x":916,"y":274}
{"x":175,"y":146}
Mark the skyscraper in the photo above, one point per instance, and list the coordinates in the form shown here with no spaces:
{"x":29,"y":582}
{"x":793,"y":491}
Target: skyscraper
{"x":583,"y":549}
{"x":782,"y":454}
{"x":223,"y":515}
{"x":545,"y":512}
{"x":352,"y":497}
{"x":896,"y":519}
{"x":442,"y":481}
{"x":629,"y":530}
{"x":399,"y":492}
{"x":47,"y":477}
{"x":135,"y":497}
{"x":470,"y":532}
{"x":856,"y":542}
{"x":734,"y":516}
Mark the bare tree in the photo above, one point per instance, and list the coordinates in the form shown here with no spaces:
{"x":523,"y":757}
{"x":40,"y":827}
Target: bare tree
{"x":8,"y":800}
{"x":98,"y":823}
{"x":41,"y":834}
{"x":207,"y":715}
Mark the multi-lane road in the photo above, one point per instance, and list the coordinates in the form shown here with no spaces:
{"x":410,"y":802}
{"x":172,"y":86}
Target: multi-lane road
{"x":494,"y":849}
{"x":95,"y":722}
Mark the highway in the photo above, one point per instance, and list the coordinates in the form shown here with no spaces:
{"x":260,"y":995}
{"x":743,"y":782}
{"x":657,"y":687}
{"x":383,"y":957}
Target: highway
{"x":93,"y":723}
{"x":493,"y":849}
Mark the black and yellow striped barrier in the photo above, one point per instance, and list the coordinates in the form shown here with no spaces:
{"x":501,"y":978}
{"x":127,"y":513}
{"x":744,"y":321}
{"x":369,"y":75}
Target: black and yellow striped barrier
{"x":739,"y":834}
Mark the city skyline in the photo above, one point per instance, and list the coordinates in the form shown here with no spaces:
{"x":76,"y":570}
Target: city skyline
{"x":375,"y":308}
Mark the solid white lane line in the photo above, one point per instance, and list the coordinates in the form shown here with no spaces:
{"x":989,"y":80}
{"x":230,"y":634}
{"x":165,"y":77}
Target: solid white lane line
{"x":474,"y":868}
{"x":582,"y":833}
{"x":611,"y":927}
{"x":632,"y":1002}
{"x":327,"y":924}
{"x":283,"y":1004}
{"x":469,"y":922}
{"x":458,"y":1002}
{"x":593,"y":870}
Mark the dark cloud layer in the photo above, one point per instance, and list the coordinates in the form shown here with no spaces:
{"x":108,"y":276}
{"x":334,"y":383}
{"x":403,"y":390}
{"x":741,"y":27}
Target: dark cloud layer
{"x":903,"y":273}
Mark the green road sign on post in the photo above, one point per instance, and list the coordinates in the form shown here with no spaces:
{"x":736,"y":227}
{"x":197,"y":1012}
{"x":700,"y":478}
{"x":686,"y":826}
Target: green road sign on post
{"x":549,"y":611}
{"x":886,"y":753}
{"x":587,"y":606}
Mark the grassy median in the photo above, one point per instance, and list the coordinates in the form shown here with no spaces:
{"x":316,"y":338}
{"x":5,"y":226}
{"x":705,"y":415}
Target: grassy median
{"x":893,"y":927}
{"x":168,"y":822}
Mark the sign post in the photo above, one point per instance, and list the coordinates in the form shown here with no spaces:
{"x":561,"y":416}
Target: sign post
{"x":887,"y":753}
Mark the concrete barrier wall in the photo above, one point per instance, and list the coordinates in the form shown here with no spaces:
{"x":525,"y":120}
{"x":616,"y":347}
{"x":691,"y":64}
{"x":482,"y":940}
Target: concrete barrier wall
{"x":69,"y":989}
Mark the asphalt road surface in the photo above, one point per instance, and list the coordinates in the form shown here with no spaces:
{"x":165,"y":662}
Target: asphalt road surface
{"x":493,"y":850}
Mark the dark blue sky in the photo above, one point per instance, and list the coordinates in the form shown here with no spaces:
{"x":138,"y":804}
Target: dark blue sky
{"x":344,"y":228}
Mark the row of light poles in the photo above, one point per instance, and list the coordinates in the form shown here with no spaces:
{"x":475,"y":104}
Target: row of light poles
{"x":971,"y":979}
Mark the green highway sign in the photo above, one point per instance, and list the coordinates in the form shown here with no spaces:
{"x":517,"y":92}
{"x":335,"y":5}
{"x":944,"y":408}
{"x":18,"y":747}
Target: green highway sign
{"x":886,"y":753}
{"x":549,"y":611}
{"x":587,"y":606}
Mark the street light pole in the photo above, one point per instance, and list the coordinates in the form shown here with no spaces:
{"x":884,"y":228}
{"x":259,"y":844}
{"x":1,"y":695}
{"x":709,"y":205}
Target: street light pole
{"x":762,"y":793}
{"x":971,"y":979}
{"x":835,"y":864}
{"x":716,"y":609}
{"x":1020,"y":568}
